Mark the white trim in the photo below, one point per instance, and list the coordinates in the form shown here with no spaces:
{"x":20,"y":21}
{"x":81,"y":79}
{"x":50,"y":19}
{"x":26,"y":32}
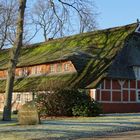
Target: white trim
{"x":121,"y":82}
{"x":137,"y":90}
{"x":111,"y":90}
{"x":18,"y":99}
{"x":129,"y":90}
{"x":100,"y":95}
{"x":117,"y":89}
{"x":119,"y":102}
{"x":93,"y":92}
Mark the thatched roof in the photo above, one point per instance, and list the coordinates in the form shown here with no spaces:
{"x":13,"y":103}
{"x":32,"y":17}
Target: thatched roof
{"x":128,"y":57}
{"x":91,"y":53}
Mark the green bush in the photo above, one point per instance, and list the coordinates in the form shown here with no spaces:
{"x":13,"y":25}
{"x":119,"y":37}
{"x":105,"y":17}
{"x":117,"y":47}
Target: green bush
{"x":88,"y":109}
{"x":67,"y":103}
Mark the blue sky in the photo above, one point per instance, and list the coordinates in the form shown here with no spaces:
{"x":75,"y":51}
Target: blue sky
{"x":117,"y":12}
{"x":112,"y":13}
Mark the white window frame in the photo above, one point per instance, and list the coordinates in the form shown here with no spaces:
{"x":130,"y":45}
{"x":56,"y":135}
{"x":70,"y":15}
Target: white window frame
{"x":21,"y":72}
{"x":59,"y":67}
{"x":66,"y":67}
{"x":26,"y":97}
{"x":33,"y":70}
{"x":138,"y":95}
{"x":25,"y":72}
{"x":52,"y":68}
{"x":18,"y":99}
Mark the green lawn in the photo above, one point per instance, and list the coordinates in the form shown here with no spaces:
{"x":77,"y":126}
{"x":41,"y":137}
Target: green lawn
{"x":70,"y":128}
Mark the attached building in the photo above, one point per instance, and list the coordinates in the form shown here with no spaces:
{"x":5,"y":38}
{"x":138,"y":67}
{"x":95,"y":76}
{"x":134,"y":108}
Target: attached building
{"x":106,"y":62}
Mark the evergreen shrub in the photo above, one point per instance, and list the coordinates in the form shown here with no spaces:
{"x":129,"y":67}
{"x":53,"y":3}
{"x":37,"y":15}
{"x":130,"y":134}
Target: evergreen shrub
{"x":67,"y":103}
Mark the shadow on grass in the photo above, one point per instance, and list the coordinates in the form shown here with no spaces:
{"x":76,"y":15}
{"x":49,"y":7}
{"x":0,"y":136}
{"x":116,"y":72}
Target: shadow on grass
{"x":8,"y":123}
{"x":61,"y":130}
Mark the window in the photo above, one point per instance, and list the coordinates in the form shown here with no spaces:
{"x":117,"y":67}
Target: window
{"x":36,"y":70}
{"x":27,"y":98}
{"x":66,"y":67}
{"x":137,"y":72}
{"x":59,"y":67}
{"x":138,"y":95}
{"x":18,"y":97}
{"x":52,"y":68}
{"x":23,"y":72}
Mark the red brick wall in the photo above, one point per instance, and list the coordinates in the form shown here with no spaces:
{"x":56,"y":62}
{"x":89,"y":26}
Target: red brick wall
{"x":119,"y":96}
{"x":107,"y":84}
{"x":116,"y":91}
{"x":116,"y":96}
{"x":44,"y":69}
{"x":121,"y":107}
{"x":105,"y":96}
{"x":115,"y":84}
{"x":125,"y":95}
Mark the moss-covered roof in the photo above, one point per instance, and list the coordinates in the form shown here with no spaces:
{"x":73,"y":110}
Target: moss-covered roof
{"x":40,"y":82}
{"x":92,"y":53}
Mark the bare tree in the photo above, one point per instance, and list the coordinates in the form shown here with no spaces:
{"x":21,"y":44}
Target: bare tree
{"x":56,"y":17}
{"x":88,"y":20}
{"x":85,"y":10}
{"x":8,"y":24}
{"x":8,"y":14}
{"x":13,"y":62}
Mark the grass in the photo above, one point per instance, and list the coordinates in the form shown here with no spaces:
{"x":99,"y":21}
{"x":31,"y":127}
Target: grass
{"x":70,"y":128}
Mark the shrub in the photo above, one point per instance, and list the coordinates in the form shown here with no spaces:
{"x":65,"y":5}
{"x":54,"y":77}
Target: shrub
{"x":66,"y":103}
{"x":87,"y":108}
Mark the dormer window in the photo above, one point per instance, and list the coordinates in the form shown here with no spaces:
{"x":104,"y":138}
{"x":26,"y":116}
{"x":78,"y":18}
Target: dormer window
{"x":52,"y":68}
{"x":36,"y":70}
{"x":137,"y":72}
{"x":23,"y":72}
{"x":66,"y":67}
{"x":59,"y":67}
{"x":138,"y":29}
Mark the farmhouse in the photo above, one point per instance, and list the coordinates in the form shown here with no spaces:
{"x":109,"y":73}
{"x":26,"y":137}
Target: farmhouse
{"x":105,"y":62}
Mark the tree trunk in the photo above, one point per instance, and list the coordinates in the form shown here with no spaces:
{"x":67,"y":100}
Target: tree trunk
{"x":13,"y":62}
